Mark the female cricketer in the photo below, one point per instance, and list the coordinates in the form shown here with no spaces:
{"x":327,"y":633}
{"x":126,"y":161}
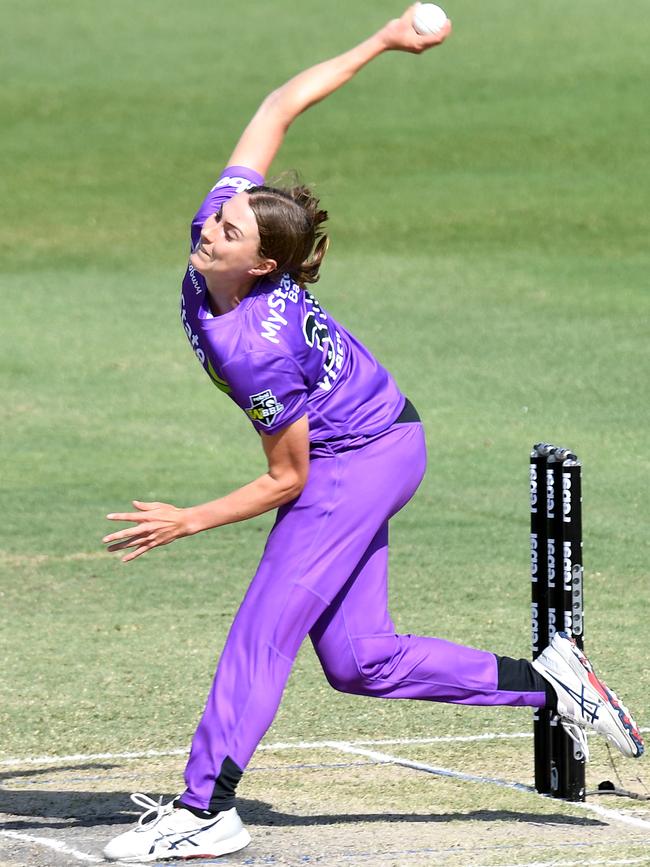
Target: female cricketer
{"x":345,"y":451}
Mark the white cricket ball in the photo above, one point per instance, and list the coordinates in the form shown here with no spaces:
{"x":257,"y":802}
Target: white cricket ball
{"x":429,"y":19}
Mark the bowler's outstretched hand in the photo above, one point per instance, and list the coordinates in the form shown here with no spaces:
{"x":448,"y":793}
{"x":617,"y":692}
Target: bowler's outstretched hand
{"x":155,"y":524}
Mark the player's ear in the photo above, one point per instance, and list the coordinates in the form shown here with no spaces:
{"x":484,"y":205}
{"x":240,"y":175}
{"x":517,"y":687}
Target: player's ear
{"x":265,"y":266}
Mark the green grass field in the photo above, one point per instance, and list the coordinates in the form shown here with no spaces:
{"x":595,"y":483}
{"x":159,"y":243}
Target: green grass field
{"x":490,"y":225}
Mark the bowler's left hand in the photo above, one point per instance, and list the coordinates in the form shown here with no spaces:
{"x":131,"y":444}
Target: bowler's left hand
{"x":155,"y":524}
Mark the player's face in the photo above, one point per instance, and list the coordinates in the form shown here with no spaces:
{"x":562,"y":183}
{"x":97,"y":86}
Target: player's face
{"x":229,"y":242}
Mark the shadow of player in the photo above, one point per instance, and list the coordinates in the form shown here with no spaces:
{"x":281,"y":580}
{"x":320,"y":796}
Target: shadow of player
{"x":76,"y":809}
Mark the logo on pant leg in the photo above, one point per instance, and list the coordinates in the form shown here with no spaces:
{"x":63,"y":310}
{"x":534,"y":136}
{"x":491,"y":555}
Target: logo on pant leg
{"x":264,"y":408}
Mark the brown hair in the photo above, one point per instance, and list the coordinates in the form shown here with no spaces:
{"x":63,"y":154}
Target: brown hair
{"x":289,"y":222}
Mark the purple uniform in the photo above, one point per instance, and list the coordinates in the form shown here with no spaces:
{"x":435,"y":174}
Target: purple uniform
{"x":323,"y":573}
{"x":280,"y":355}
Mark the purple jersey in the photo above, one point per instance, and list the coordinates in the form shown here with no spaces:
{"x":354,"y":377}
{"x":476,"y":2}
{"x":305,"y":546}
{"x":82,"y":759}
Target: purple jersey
{"x":279,"y":354}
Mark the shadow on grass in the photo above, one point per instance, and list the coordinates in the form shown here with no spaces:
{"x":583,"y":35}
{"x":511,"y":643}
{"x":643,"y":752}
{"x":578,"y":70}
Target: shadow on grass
{"x":37,"y":809}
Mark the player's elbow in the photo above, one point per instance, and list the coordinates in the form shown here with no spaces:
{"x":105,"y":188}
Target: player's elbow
{"x":290,"y":485}
{"x":278,"y":108}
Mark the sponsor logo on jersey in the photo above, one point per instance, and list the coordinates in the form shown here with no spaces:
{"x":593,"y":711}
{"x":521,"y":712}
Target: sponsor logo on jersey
{"x":239,"y":184}
{"x":264,"y":408}
{"x":195,"y":282}
{"x":221,"y":384}
{"x":193,"y":338}
{"x":272,"y":325}
{"x":277,"y":304}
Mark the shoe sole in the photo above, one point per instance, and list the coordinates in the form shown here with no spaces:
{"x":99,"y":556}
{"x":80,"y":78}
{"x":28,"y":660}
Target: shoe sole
{"x":617,"y":711}
{"x":232,"y":844}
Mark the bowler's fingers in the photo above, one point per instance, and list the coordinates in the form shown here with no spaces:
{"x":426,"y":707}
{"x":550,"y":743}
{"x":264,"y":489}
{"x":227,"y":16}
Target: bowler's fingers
{"x":132,"y":532}
{"x":134,"y":517}
{"x":430,"y":40}
{"x":120,"y":546}
{"x":137,"y":553}
{"x":130,"y":542}
{"x":424,"y":41}
{"x":440,"y":36}
{"x":128,"y":533}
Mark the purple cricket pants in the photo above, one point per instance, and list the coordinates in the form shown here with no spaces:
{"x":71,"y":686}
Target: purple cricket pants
{"x":324,"y":574}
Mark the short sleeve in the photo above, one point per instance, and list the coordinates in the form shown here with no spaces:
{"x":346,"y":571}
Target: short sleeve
{"x":269,"y":387}
{"x":233,"y":180}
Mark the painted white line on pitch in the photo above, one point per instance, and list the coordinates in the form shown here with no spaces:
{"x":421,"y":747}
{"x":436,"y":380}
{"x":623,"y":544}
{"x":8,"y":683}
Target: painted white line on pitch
{"x":52,"y":844}
{"x":91,"y":757}
{"x":614,"y":815}
{"x":437,"y":739}
{"x":590,"y":863}
{"x":282,"y":745}
{"x":605,"y":812}
{"x":421,"y":766}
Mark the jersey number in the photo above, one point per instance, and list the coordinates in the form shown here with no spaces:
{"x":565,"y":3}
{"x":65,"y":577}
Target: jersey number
{"x":317,"y":333}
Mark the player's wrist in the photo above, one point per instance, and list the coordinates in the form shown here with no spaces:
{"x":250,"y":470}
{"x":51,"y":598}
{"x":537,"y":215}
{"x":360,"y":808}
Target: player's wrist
{"x":384,"y":38}
{"x":194,"y":520}
{"x":377,"y":42}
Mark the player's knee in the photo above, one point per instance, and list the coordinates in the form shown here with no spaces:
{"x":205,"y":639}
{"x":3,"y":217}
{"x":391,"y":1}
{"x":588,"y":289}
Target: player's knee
{"x":340,"y":667}
{"x":375,"y":655}
{"x":362,"y":666}
{"x":341,"y":670}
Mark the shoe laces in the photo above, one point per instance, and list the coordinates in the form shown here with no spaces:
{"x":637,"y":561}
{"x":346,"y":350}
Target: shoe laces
{"x":577,"y":735}
{"x":151,"y":808}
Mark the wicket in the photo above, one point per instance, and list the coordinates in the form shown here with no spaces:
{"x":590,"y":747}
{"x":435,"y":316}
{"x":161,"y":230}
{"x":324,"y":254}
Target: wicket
{"x":557,"y":602}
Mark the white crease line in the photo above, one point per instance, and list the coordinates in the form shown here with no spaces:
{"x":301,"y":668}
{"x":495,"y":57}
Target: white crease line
{"x":286,"y":745}
{"x":90,"y":757}
{"x":282,"y":745}
{"x":52,"y":844}
{"x":439,"y":739}
{"x":588,"y":863}
{"x":605,"y":812}
{"x":357,"y":747}
{"x":614,"y":815}
{"x":429,"y":769}
{"x":354,"y":748}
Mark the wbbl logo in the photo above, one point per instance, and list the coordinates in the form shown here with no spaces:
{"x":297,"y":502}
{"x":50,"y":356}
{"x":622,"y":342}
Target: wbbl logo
{"x":264,"y":408}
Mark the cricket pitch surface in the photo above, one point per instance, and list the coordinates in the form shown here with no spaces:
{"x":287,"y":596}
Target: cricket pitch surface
{"x":445,"y":801}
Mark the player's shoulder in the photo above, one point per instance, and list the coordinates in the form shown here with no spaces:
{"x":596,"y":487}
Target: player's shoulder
{"x":237,"y":179}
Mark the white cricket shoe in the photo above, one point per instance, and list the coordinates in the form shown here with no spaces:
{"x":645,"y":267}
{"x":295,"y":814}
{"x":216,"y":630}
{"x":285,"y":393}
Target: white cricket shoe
{"x":165,"y":831}
{"x":584,"y":701}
